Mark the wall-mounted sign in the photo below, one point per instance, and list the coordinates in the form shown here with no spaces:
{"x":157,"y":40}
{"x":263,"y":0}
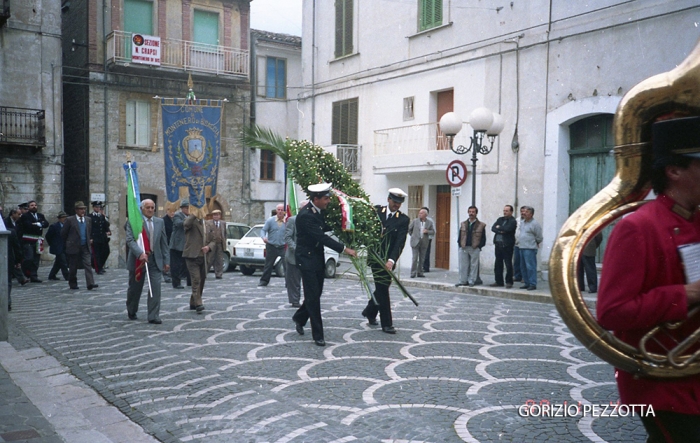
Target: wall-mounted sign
{"x":145,"y":49}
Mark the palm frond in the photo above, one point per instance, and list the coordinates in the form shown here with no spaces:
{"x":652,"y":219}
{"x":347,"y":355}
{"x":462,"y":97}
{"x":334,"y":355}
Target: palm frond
{"x":258,"y":137}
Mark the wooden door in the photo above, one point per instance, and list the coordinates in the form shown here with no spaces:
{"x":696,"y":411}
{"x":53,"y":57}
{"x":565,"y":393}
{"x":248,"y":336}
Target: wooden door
{"x":445,"y":104}
{"x":442,"y":227}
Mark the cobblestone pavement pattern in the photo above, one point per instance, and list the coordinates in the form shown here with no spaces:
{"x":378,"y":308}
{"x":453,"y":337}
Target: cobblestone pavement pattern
{"x":458,"y":369}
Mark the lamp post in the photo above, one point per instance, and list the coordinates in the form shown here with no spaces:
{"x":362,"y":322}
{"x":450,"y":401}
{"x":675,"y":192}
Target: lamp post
{"x":485,"y":123}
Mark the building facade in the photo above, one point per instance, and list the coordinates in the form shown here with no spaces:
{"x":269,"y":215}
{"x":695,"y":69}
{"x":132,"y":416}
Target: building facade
{"x":31,"y":132}
{"x":276,"y":79}
{"x":379,"y":75}
{"x":113,"y":106}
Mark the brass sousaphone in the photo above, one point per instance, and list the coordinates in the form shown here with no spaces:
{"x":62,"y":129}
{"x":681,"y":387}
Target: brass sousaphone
{"x":675,"y":91}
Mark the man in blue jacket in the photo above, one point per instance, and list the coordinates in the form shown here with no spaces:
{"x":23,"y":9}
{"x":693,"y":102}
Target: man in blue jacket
{"x":58,"y":248}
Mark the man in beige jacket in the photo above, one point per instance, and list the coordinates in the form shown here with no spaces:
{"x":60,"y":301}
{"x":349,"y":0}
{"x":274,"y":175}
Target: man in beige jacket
{"x":216,"y":236}
{"x":195,"y":257}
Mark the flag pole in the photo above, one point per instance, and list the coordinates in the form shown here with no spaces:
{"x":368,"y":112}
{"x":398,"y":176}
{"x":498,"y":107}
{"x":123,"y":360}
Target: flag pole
{"x":145,"y":264}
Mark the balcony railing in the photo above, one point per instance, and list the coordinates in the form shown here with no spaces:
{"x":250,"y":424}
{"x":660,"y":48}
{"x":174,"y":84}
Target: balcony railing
{"x":348,"y":156}
{"x":22,"y":126}
{"x":185,"y":55}
{"x":413,"y":139}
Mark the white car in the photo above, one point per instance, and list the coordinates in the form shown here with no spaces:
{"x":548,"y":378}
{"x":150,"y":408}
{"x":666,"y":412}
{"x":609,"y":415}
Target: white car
{"x":249,"y":255}
{"x":234,"y":232}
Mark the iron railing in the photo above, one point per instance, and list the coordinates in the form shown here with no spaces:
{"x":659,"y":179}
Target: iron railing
{"x":22,"y":126}
{"x":414,"y":139}
{"x":185,"y":55}
{"x":349,"y":156}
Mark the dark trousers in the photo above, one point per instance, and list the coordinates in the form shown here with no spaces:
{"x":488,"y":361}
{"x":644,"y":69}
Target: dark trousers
{"x":504,"y":255}
{"x":198,"y":273}
{"x":100,"y":253}
{"x":133,"y":294}
{"x":178,"y":269}
{"x":74,"y":261}
{"x":517,"y":274}
{"x":587,"y":266}
{"x":18,"y":274}
{"x":426,"y":263}
{"x":311,"y":308}
{"x":60,"y":263}
{"x":672,"y":427}
{"x":382,"y":281}
{"x":271,"y":254}
{"x":31,"y":259}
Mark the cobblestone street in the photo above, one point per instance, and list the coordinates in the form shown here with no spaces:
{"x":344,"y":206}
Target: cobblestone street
{"x":459,"y":368}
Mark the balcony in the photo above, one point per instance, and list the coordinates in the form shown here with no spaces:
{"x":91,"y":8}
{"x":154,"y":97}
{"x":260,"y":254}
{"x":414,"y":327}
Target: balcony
{"x":4,"y":11}
{"x":349,"y":157}
{"x":419,"y":147}
{"x":22,"y":126}
{"x":184,"y":55}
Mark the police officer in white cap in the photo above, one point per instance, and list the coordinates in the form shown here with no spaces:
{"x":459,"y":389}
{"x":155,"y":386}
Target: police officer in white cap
{"x":394,"y":231}
{"x":311,"y":239}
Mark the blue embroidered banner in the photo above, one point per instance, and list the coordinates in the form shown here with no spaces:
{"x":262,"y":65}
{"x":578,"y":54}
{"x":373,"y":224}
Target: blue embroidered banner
{"x":192,"y":138}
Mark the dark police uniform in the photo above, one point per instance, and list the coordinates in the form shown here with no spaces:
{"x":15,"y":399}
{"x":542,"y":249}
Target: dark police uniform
{"x":100,"y":239}
{"x":310,"y":259}
{"x":394,"y":231}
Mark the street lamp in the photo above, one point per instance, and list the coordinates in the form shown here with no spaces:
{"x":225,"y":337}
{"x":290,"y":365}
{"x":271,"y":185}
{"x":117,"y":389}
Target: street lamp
{"x":485,"y":123}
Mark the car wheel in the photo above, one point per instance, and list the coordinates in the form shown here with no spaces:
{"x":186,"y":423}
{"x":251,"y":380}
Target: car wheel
{"x":247,"y":270}
{"x":280,"y":269}
{"x":330,"y":268}
{"x":227,"y":262}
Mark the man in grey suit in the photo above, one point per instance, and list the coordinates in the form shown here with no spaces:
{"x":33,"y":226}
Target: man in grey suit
{"x":76,"y":233}
{"x":420,"y":230}
{"x":292,"y":276}
{"x":177,"y":245}
{"x":157,"y":260}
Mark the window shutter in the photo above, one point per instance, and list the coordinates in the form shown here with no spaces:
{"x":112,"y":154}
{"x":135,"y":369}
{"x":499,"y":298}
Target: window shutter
{"x":352,"y":122}
{"x":339,"y":28}
{"x":281,"y":83}
{"x":347,"y":46}
{"x":335,"y":131}
{"x":142,"y":120}
{"x":437,"y":13}
{"x":260,"y":76}
{"x":130,"y":123}
{"x":270,"y":78}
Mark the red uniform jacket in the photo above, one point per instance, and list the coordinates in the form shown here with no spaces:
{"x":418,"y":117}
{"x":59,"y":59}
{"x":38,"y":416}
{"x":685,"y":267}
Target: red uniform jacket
{"x":641,"y":286}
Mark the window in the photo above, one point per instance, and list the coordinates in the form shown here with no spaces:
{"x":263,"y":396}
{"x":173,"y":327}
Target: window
{"x":138,"y":118}
{"x":343,"y":27}
{"x":138,"y":17}
{"x":429,"y":14}
{"x":206,"y":27}
{"x":344,"y":131}
{"x":267,"y":165}
{"x":408,"y":108}
{"x":415,"y":201}
{"x":276,"y":78}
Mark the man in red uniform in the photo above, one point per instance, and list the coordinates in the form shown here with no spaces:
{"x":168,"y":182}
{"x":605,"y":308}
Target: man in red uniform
{"x":643,"y":282}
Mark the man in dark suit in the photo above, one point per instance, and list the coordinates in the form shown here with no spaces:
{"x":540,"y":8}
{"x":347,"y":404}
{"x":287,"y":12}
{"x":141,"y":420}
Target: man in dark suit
{"x":58,"y":248}
{"x":394,"y":231}
{"x":12,"y":224}
{"x":33,"y":224}
{"x":504,"y":241}
{"x":157,"y":261}
{"x":309,"y":256}
{"x":76,"y":235}
{"x":100,"y":237}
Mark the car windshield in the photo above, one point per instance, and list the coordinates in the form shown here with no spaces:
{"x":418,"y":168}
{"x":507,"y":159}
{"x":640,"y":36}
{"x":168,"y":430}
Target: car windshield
{"x":254,"y":232}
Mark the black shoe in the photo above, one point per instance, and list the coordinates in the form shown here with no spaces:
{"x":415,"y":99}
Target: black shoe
{"x":320,"y":342}
{"x":218,"y":278}
{"x":426,"y":270}
{"x":132,"y":316}
{"x":371,"y":321}
{"x":199,"y":308}
{"x":509,"y":285}
{"x":421,"y":275}
{"x":155,"y":322}
{"x":91,"y":287}
{"x":531,"y":288}
{"x":54,"y":278}
{"x":74,"y":287}
{"x":168,"y":280}
{"x":524,"y":286}
{"x":262,"y":283}
{"x":102,"y":272}
{"x":299,"y":328}
{"x":34,"y":280}
{"x":496,"y":285}
{"x":296,"y":305}
{"x":179,"y":287}
{"x":192,"y":307}
{"x":389,"y":329}
{"x":24,"y":282}
{"x":457,"y":285}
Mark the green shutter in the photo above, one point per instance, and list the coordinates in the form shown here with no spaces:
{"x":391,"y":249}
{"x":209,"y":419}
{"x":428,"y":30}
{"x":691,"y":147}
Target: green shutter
{"x":138,"y":17}
{"x":345,"y":118}
{"x":335,"y":131}
{"x":429,"y":14}
{"x":343,"y":27}
{"x":206,"y":27}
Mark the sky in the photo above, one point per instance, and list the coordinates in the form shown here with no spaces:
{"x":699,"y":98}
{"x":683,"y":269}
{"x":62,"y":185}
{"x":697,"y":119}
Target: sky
{"x":282,"y":16}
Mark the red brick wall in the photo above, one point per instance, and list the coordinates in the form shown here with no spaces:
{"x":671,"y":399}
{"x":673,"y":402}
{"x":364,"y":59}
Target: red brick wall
{"x":186,"y":20}
{"x":245,"y":24}
{"x":162,"y":20}
{"x":227,"y":24}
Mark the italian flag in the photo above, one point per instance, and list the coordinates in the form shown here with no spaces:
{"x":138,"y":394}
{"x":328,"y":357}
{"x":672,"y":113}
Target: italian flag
{"x":292,"y":202}
{"x":133,"y":198}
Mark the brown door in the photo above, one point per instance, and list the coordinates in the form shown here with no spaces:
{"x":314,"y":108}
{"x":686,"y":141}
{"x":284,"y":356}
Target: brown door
{"x":445,"y":104}
{"x":442,"y":227}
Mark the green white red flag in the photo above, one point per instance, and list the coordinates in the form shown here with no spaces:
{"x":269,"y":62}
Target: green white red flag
{"x":133,"y":199}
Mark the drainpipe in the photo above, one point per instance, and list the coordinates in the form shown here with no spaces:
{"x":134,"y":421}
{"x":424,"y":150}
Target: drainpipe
{"x":313,"y":72}
{"x":515,"y":145}
{"x":104,"y":106}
